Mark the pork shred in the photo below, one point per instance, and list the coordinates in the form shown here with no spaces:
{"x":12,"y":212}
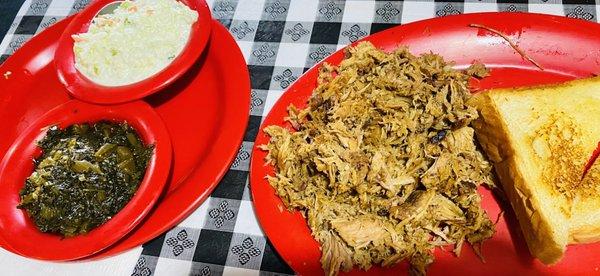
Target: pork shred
{"x":382,"y":161}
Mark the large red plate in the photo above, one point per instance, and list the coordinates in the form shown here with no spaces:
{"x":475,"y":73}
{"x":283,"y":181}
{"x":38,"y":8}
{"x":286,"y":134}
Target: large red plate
{"x":205,"y":112}
{"x":567,"y":48}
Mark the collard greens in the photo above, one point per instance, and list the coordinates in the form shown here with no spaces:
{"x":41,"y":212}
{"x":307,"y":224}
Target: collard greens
{"x":86,"y":174}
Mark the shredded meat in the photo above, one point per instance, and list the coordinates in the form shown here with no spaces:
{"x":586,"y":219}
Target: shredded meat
{"x":382,"y":161}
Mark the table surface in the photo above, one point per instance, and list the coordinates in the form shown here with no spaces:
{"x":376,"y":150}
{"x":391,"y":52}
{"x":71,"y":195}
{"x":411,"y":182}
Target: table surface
{"x":280,"y":39}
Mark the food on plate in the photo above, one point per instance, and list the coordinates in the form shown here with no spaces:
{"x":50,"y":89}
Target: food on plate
{"x":382,"y":162}
{"x":85,"y":175}
{"x":539,"y":140}
{"x":136,"y":41}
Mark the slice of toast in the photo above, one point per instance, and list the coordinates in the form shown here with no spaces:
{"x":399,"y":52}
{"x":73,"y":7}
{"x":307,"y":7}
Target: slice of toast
{"x":540,"y":139}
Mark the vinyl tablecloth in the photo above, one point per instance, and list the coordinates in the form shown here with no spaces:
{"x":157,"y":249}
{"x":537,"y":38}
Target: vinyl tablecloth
{"x":280,"y":39}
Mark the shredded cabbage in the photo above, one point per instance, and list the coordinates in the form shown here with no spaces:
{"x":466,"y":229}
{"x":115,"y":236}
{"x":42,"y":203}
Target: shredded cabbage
{"x":136,"y":41}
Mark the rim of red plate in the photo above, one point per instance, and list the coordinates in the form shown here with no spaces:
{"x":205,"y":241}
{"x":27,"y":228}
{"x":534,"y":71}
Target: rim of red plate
{"x":82,"y":88}
{"x":18,"y":230}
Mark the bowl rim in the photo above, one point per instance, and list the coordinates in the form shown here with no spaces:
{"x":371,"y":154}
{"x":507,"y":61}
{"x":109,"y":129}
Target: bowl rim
{"x":20,"y":233}
{"x":83,"y":88}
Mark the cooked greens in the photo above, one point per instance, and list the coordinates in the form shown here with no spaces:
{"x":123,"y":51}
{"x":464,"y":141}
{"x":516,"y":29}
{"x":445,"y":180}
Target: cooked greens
{"x":86,"y":174}
{"x":382,"y":162}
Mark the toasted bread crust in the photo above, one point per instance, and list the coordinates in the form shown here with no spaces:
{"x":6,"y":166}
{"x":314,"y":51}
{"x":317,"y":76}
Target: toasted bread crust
{"x":545,"y":241}
{"x":585,"y":222}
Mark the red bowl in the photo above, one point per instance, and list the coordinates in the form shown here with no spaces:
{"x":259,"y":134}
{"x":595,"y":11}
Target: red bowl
{"x":19,"y":232}
{"x":81,"y":87}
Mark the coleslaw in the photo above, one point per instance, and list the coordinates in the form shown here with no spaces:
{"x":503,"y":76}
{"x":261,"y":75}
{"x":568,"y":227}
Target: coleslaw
{"x":136,"y":41}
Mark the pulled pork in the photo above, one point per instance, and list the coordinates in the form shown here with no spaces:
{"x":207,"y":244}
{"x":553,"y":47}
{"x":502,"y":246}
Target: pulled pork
{"x":382,"y":162}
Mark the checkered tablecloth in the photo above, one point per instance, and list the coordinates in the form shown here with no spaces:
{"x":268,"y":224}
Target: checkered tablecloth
{"x":280,"y":39}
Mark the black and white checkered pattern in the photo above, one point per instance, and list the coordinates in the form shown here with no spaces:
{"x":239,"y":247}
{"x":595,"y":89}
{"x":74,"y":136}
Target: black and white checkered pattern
{"x":280,"y":40}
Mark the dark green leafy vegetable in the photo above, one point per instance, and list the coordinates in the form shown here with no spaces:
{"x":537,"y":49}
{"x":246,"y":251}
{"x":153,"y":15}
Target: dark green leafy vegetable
{"x":86,"y":174}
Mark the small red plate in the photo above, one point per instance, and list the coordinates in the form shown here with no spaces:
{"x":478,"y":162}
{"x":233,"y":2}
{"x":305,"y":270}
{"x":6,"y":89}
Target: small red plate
{"x":85,"y":89}
{"x":19,"y":231}
{"x":567,"y":48}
